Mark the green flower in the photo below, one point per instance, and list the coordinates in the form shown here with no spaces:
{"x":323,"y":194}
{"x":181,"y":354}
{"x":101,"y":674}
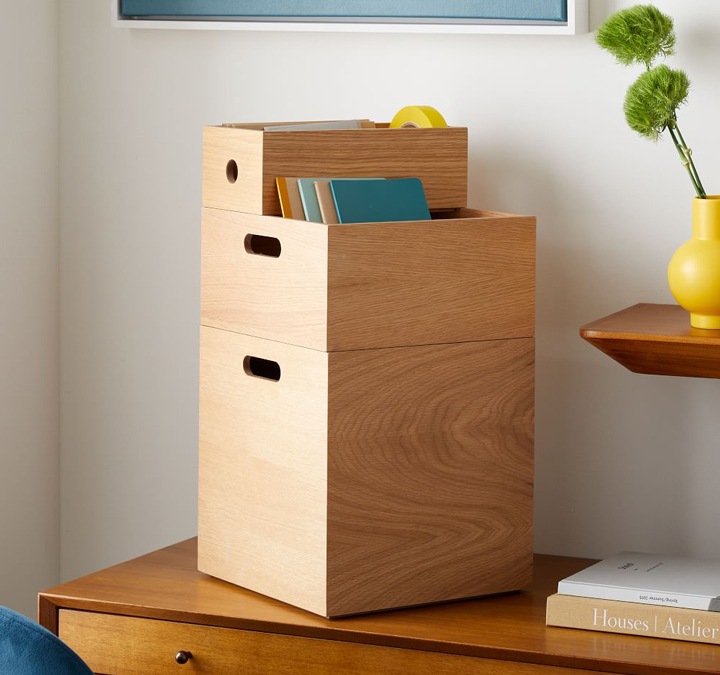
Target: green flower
{"x":651,"y":102}
{"x":638,"y":34}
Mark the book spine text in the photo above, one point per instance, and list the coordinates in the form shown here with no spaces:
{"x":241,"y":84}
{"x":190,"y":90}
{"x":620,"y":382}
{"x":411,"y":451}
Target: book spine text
{"x":631,"y":618}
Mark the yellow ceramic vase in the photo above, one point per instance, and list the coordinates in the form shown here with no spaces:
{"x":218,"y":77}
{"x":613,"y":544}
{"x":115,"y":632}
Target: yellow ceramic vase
{"x":694,"y":270}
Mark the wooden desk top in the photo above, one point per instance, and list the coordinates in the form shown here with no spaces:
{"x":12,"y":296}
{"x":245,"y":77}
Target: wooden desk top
{"x":166,"y":585}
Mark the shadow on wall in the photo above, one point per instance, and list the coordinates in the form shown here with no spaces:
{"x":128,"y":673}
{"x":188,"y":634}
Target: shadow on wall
{"x":604,"y":449}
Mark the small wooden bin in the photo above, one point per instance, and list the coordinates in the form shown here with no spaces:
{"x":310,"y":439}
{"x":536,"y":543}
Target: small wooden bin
{"x":355,"y":481}
{"x":241,"y":162}
{"x":467,"y":276}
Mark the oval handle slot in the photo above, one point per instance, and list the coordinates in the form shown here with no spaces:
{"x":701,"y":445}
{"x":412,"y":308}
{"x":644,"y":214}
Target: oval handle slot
{"x":263,"y":368}
{"x":258,"y":244}
{"x":231,"y":171}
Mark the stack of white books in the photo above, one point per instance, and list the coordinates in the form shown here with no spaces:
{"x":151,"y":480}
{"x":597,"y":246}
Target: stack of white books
{"x":642,"y":594}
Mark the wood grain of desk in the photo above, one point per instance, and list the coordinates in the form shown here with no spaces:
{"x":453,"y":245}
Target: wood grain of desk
{"x":134,"y":617}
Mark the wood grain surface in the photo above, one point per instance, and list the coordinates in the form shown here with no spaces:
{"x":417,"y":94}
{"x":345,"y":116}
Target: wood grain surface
{"x":464,"y":278}
{"x":263,"y":468}
{"x":243,"y":150}
{"x":510,"y":628}
{"x":430,"y":473}
{"x":130,"y":646}
{"x":283,"y":298}
{"x":422,"y":456}
{"x":656,"y":340}
{"x":437,"y":156}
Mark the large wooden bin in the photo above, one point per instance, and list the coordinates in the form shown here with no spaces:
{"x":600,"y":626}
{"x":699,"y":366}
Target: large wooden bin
{"x":367,"y":479}
{"x":366,"y":399}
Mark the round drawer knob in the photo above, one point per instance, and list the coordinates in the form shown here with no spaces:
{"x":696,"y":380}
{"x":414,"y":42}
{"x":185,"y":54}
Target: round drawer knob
{"x":182,"y":657}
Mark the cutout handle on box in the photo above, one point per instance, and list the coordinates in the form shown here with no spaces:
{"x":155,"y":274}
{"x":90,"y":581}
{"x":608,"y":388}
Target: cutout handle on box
{"x":258,"y":244}
{"x":231,"y":171}
{"x":254,"y":366}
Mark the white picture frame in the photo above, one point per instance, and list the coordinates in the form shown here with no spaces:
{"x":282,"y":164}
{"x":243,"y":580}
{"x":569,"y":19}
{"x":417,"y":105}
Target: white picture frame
{"x":577,"y":22}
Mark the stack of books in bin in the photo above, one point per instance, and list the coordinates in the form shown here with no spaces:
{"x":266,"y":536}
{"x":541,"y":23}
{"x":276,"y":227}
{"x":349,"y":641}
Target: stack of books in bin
{"x":642,"y":594}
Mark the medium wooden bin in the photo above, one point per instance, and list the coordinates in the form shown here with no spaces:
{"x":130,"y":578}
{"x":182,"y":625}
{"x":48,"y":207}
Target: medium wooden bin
{"x":468,"y":276}
{"x":353,"y":481}
{"x":241,"y":162}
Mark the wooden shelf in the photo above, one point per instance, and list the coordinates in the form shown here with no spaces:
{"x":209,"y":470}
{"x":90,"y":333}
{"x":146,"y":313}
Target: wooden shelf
{"x":656,"y":340}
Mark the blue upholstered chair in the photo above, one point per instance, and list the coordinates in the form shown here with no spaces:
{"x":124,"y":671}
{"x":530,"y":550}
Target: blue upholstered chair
{"x":26,"y":648}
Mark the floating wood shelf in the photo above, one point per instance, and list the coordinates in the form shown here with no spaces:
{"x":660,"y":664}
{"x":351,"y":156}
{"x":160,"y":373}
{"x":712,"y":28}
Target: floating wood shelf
{"x":656,"y":340}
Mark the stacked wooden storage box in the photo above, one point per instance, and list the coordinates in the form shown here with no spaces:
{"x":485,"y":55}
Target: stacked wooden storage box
{"x":366,"y":390}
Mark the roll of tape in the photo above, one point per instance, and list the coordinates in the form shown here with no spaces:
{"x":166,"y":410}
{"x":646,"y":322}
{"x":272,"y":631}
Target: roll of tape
{"x":418,"y":116}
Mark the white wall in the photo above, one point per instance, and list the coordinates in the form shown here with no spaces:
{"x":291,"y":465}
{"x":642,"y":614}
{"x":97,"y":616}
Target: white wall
{"x":29,"y":359}
{"x":623,"y":461}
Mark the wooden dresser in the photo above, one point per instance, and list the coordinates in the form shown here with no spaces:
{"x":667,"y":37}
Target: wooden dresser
{"x":148,"y":615}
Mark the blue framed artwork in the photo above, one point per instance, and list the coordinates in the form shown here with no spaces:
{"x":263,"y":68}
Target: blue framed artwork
{"x":550,"y":17}
{"x":549,"y":12}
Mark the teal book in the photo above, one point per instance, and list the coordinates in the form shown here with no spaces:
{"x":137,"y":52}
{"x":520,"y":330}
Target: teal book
{"x":379,"y":201}
{"x":311,"y":199}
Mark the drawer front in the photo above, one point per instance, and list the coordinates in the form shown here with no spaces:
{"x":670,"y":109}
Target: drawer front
{"x":120,"y":645}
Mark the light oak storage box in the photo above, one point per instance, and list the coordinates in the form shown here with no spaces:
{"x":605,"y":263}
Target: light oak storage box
{"x":358,"y":286}
{"x":241,"y":162}
{"x":366,"y":390}
{"x":354,"y":481}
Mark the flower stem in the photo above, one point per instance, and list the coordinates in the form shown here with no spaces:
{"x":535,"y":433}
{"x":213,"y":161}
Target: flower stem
{"x":689,"y":156}
{"x":686,"y":157}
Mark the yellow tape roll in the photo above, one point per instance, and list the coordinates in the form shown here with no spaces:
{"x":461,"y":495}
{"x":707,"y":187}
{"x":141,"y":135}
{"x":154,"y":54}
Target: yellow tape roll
{"x":418,"y":116}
